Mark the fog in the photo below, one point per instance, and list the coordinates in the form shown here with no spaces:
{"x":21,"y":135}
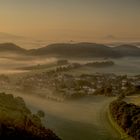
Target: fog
{"x":11,"y":63}
{"x":69,"y":118}
{"x":79,"y":119}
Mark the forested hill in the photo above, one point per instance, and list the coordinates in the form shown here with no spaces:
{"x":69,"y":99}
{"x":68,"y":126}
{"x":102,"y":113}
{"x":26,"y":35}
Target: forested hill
{"x":87,"y":50}
{"x":12,"y":48}
{"x":77,"y":50}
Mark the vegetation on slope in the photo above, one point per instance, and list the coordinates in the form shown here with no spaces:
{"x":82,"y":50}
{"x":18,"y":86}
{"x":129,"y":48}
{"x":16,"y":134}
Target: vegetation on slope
{"x":77,"y":50}
{"x":127,"y":116}
{"x":17,"y":122}
{"x":10,"y":47}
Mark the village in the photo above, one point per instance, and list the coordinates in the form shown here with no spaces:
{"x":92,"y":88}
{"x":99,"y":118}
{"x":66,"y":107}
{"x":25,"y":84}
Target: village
{"x":59,"y":83}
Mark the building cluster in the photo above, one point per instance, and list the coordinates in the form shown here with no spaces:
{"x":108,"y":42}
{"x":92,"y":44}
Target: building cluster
{"x":68,"y":85}
{"x":59,"y":82}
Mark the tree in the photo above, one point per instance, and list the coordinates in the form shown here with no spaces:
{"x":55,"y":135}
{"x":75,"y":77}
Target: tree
{"x":40,"y":114}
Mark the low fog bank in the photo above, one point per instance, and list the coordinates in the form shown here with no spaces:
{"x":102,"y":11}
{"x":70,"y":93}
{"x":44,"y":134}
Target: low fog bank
{"x":10,"y":63}
{"x":14,"y":64}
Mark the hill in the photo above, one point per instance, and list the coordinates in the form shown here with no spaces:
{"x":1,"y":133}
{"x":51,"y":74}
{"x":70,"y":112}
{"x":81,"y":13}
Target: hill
{"x":11,"y":48}
{"x":127,"y":50}
{"x":77,"y":50}
{"x":86,"y":50}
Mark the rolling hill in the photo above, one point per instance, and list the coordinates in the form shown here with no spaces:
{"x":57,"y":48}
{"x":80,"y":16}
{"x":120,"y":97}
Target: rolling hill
{"x":127,"y":50}
{"x":11,"y":48}
{"x":77,"y":50}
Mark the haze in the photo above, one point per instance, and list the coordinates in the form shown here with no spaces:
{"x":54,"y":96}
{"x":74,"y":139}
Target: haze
{"x":76,"y":20}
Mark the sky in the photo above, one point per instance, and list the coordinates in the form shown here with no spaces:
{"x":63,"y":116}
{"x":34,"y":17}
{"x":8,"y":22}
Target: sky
{"x":76,"y":20}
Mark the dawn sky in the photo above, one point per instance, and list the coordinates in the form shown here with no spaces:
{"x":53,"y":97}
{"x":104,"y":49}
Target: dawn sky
{"x":71,"y":19}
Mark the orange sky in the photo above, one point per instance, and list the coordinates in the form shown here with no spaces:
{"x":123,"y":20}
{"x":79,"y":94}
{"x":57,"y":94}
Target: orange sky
{"x":80,"y":20}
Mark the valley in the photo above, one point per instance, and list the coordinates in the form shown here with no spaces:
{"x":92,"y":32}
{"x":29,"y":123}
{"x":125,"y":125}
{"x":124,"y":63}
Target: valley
{"x":74,"y":93}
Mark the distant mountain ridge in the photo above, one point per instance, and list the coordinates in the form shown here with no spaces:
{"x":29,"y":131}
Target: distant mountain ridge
{"x":87,"y":50}
{"x":10,"y":47}
{"x":128,"y":50}
{"x":77,"y":50}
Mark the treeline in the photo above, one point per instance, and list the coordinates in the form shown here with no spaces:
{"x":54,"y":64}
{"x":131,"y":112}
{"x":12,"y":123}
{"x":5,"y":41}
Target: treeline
{"x":101,"y":64}
{"x":127,"y":116}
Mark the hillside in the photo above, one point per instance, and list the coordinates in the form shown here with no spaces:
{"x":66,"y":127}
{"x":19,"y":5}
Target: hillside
{"x":77,"y":50}
{"x":11,"y":48}
{"x":17,"y":122}
{"x":86,"y":50}
{"x":127,"y":50}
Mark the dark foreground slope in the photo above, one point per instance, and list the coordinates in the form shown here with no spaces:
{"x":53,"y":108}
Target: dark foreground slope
{"x":17,"y":122}
{"x":127,"y":116}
